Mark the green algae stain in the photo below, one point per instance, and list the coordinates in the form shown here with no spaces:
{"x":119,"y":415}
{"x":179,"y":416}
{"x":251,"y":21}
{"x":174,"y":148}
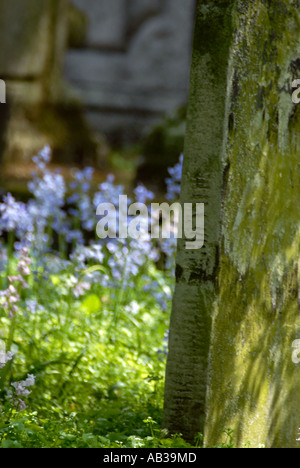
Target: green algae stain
{"x":254,"y":387}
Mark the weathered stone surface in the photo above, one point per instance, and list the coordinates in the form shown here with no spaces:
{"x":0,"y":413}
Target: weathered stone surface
{"x":22,"y":53}
{"x":140,"y":11}
{"x":148,"y":76}
{"x":253,"y":384}
{"x":129,"y":65}
{"x":107,"y":22}
{"x":33,"y":37}
{"x":145,"y":90}
{"x":77,"y":26}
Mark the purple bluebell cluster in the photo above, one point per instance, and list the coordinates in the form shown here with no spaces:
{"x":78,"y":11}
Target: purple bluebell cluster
{"x":143,"y":195}
{"x":174,"y":181}
{"x":128,"y":257}
{"x":81,"y":207}
{"x":46,"y":209}
{"x":61,"y":218}
{"x":68,"y":212}
{"x":5,"y":357}
{"x":109,"y":192}
{"x":15,"y":217}
{"x":20,"y":390}
{"x":10,"y":298}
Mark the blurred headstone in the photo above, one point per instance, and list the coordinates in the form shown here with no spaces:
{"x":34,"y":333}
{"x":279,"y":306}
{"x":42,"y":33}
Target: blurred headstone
{"x":134,"y":64}
{"x":33,"y":40}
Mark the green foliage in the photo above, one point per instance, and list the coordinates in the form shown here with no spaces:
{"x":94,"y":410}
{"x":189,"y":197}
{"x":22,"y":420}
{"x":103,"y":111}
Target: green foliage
{"x":161,"y":147}
{"x":96,"y":359}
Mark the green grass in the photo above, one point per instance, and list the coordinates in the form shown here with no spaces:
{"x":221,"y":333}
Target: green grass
{"x":99,"y":372}
{"x":98,"y":359}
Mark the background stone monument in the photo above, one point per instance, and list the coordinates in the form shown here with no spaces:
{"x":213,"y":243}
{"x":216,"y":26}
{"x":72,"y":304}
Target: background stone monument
{"x":133,"y":65}
{"x":78,"y":70}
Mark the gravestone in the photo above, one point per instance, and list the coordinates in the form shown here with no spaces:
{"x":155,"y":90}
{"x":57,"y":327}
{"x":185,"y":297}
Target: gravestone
{"x":133,"y":66}
{"x":40,"y":107}
{"x":32,"y":38}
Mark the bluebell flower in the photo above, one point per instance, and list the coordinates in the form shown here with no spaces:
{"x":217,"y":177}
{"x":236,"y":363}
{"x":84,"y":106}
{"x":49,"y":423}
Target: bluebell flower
{"x":74,"y":198}
{"x":46,"y":209}
{"x":43,"y":158}
{"x":32,"y":306}
{"x":168,"y":247}
{"x":108,"y":192}
{"x":174,"y":181}
{"x":143,"y":195}
{"x":49,"y":192}
{"x":81,"y":288}
{"x":82,"y":209}
{"x":85,"y":175}
{"x":14,"y":217}
{"x":82,"y":255}
{"x":78,"y":256}
{"x":129,"y":256}
{"x":5,"y":357}
{"x":21,"y":388}
{"x":87,"y":213}
{"x":74,"y":236}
